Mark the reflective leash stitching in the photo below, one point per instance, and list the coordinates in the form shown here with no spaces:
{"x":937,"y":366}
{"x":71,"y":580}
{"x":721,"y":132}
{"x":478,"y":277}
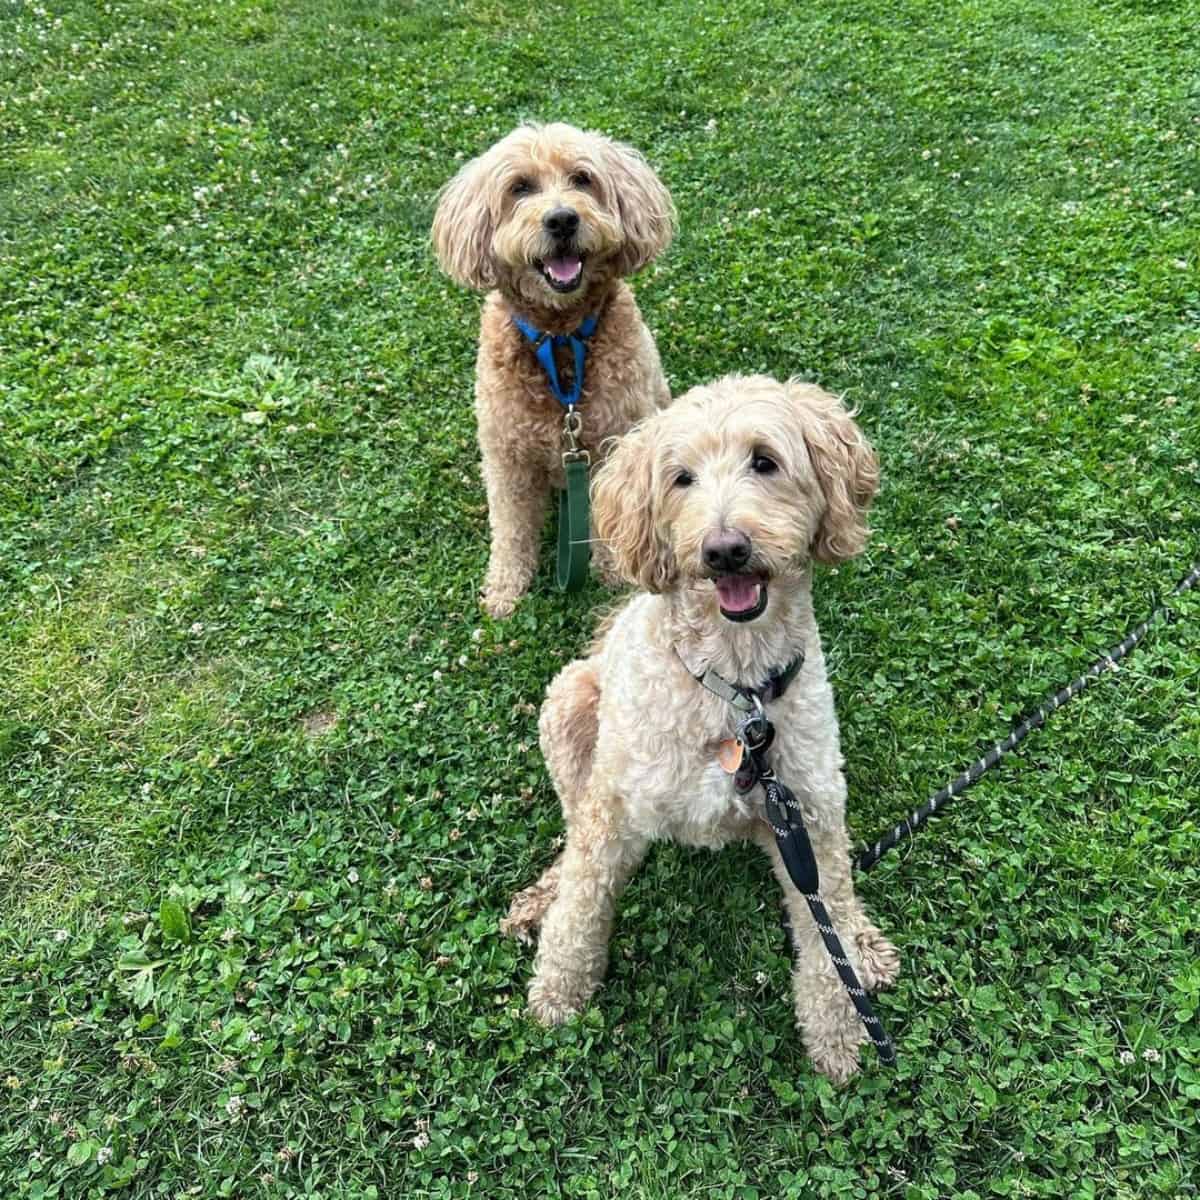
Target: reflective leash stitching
{"x":787,"y":824}
{"x":871,"y":855}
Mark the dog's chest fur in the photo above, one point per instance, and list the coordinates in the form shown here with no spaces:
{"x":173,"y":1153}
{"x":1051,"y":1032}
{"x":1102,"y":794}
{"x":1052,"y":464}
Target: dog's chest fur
{"x":519,"y":416}
{"x":661,"y":732}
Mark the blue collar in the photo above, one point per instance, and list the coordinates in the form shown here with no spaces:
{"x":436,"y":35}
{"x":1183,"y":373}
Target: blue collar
{"x":543,"y":346}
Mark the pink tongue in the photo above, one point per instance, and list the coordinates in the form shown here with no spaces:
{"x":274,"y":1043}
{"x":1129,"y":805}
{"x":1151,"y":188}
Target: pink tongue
{"x":563,"y":270}
{"x":737,"y":593}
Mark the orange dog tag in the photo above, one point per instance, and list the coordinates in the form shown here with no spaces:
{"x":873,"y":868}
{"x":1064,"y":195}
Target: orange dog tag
{"x":729,"y":755}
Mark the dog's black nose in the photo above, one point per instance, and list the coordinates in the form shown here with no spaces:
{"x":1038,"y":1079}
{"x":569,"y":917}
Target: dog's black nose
{"x":561,"y":222}
{"x":727,"y":551}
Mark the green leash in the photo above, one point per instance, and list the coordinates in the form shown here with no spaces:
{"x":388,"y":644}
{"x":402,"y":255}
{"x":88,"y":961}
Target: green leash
{"x":574,"y":518}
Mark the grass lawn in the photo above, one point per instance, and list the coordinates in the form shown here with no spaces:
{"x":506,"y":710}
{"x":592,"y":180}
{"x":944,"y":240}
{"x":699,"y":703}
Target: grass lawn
{"x":268,"y":777}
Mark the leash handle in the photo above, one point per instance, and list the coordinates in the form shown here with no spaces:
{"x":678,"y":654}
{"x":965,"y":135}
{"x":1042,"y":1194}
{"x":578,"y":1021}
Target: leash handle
{"x":919,"y":817}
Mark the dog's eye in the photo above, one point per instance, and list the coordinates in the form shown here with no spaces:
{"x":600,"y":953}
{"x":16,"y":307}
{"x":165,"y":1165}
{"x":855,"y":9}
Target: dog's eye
{"x":761,"y":464}
{"x":521,"y":187}
{"x":684,"y":479}
{"x":581,"y":179}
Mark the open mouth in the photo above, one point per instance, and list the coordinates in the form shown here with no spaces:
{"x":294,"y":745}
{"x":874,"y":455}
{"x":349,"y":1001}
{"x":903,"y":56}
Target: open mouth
{"x":563,"y":273}
{"x":741,"y":597}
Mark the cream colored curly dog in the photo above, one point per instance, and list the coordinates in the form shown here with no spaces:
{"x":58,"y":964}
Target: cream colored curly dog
{"x":717,"y":507}
{"x":552,"y":219}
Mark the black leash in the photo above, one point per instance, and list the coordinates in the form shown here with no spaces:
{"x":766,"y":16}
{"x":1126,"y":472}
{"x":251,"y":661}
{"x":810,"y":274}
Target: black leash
{"x":1106,"y":662}
{"x":755,"y":733}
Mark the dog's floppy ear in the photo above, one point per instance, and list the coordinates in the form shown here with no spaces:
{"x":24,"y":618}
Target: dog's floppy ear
{"x":624,"y":504}
{"x":645,"y":206}
{"x":846,"y":469}
{"x":463,"y":228}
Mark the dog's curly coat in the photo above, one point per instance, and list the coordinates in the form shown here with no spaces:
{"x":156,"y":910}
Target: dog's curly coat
{"x":551,"y":218}
{"x":631,"y":738}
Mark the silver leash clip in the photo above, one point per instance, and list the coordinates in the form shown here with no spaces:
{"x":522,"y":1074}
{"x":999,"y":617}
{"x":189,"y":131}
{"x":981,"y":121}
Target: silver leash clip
{"x":572,"y":432}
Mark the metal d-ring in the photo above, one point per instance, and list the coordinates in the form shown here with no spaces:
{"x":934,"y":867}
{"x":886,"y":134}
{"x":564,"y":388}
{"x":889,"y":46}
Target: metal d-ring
{"x":753,"y":727}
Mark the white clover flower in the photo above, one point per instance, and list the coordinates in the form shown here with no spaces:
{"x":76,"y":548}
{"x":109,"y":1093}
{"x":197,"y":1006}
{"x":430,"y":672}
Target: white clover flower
{"x":234,"y":1106}
{"x":420,"y":1141}
{"x":104,"y":1154}
{"x":1126,"y":1057}
{"x":1151,"y":1055}
{"x":61,"y":935}
{"x":760,"y":977}
{"x":352,"y":875}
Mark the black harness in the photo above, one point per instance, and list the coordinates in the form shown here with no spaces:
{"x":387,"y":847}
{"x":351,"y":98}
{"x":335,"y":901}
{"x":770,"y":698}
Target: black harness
{"x":755,"y":733}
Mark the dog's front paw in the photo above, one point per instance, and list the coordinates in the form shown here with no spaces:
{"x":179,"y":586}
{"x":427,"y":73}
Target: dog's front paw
{"x":549,"y":1005}
{"x":528,"y":908}
{"x":879,"y":958}
{"x":499,"y":604}
{"x":839,"y":1065}
{"x":829,"y":1027}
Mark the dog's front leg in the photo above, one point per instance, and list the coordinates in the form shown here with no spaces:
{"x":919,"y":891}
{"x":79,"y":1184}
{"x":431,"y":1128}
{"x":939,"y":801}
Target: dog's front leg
{"x":598,"y":862}
{"x":825,"y":1016}
{"x":516,"y":493}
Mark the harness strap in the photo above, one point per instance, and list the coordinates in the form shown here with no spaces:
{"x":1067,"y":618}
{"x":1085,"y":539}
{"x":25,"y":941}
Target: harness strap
{"x":544,"y":345}
{"x":740,"y":696}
